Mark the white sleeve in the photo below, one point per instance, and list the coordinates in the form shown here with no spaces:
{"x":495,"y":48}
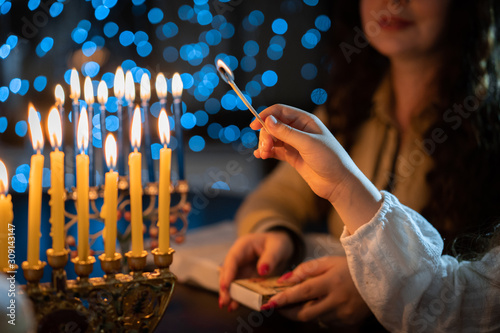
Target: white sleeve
{"x":397,"y":266}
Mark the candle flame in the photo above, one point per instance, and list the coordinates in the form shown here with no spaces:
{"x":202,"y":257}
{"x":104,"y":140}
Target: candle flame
{"x":102,"y":93}
{"x":88,"y":90}
{"x":136,"y":128}
{"x":177,"y":86}
{"x":75,"y":85}
{"x":4,"y":179}
{"x":164,"y":128}
{"x":82,"y":134}
{"x":129,"y":87}
{"x":35,"y":129}
{"x":145,"y":87}
{"x":55,"y":130}
{"x":119,"y":84}
{"x":59,"y":95}
{"x":111,"y":151}
{"x":225,"y":72}
{"x":161,"y":86}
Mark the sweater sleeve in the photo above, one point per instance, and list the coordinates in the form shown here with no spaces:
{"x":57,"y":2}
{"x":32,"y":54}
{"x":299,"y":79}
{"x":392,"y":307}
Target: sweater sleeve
{"x":283,"y":199}
{"x":397,"y":266}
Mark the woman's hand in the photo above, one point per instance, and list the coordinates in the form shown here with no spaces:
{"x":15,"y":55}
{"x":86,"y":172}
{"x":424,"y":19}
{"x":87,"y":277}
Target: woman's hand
{"x":253,"y":255}
{"x":325,"y":292}
{"x":308,"y":146}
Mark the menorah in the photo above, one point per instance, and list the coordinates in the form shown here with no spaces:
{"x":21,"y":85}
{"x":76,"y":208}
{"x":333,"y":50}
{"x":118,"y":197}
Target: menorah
{"x":116,"y":302}
{"x":131,"y":296}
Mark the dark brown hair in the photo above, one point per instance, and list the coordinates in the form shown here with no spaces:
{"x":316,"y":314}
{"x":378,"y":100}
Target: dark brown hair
{"x":465,"y":179}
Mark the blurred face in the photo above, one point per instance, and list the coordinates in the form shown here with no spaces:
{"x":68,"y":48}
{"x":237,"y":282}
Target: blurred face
{"x":409,"y":29}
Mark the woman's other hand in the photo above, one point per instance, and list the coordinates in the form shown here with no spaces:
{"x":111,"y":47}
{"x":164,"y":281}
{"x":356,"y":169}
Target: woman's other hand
{"x":324,"y":291}
{"x":255,"y":254}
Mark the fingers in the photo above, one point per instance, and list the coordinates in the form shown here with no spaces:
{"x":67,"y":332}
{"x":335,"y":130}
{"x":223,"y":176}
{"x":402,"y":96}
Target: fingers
{"x":274,"y":253}
{"x":302,"y":292}
{"x":307,"y":270}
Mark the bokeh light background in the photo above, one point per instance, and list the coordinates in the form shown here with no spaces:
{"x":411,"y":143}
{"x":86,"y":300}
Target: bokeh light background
{"x":278,"y":51}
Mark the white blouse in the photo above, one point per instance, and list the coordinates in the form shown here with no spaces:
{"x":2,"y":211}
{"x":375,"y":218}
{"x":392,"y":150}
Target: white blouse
{"x":397,"y":266}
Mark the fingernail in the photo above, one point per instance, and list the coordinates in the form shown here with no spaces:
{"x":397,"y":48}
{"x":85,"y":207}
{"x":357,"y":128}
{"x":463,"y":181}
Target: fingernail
{"x":269,"y":305}
{"x":285,"y":276}
{"x":220,"y":303}
{"x":223,"y":286}
{"x":273,"y":120}
{"x":263,"y":269}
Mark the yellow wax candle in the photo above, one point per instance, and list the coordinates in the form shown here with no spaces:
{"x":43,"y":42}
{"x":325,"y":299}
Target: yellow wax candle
{"x":108,"y":210}
{"x":35,"y":190}
{"x":56,"y":182}
{"x":82,"y":187}
{"x":164,"y":185}
{"x":7,"y":216}
{"x":57,"y":200}
{"x":135,"y":175}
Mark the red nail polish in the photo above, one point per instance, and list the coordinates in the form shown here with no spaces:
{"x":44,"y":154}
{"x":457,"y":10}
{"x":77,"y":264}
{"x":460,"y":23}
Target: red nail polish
{"x":220,"y":303}
{"x":285,"y":276}
{"x":263,"y":269}
{"x":269,"y":305}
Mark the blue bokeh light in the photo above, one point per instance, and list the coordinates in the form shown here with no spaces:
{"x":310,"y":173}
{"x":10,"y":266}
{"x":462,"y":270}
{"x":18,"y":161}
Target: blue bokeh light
{"x":309,"y":71}
{"x":256,"y":18}
{"x":88,"y":48}
{"x":319,"y":96}
{"x":212,"y":105}
{"x":12,"y":41}
{"x":15,"y":85}
{"x":101,"y":12}
{"x":311,"y":2}
{"x":170,"y":29}
{"x":188,"y":120}
{"x":323,"y":23}
{"x":269,"y":78}
{"x":311,"y":38}
{"x":4,"y":51}
{"x":79,"y":35}
{"x":112,"y":123}
{"x":3,"y":124}
{"x":33,"y":4}
{"x":279,"y":26}
{"x":46,"y":44}
{"x":155,"y":15}
{"x":21,"y":128}
{"x":144,"y":48}
{"x":55,"y":9}
{"x":4,"y":94}
{"x":40,"y":83}
{"x":251,"y":48}
{"x":197,"y":143}
{"x":170,"y":54}
{"x":110,"y":29}
{"x":126,"y":38}
{"x":213,"y":130}
{"x":91,"y":69}
{"x":201,"y":118}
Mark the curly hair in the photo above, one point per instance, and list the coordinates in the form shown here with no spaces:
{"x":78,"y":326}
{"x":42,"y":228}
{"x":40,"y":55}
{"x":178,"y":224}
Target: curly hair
{"x":467,"y":163}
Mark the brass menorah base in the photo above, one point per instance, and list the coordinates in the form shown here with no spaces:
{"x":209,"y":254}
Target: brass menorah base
{"x":133,"y":302}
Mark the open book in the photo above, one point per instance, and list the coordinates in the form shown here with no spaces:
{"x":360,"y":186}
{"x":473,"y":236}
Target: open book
{"x":197,"y":261}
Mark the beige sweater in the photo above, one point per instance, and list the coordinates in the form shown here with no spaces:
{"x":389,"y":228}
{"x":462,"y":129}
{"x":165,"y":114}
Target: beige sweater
{"x":284,"y":199}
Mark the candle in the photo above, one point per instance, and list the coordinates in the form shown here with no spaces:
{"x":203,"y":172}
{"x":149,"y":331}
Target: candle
{"x":56,"y":190}
{"x":135,"y":170}
{"x":161,"y":90}
{"x":108,"y":209}
{"x":102,"y":98}
{"x":75,"y":95}
{"x":7,"y":215}
{"x":89,"y":99}
{"x":130,"y":98}
{"x":59,"y":93}
{"x":164,"y":186}
{"x":82,"y":186}
{"x":177,"y":93}
{"x":35,"y":189}
{"x":145,"y":96}
{"x":119,"y":90}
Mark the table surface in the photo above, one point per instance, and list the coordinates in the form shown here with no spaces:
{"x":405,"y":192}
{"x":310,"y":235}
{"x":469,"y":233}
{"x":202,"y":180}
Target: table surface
{"x":196,"y":310}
